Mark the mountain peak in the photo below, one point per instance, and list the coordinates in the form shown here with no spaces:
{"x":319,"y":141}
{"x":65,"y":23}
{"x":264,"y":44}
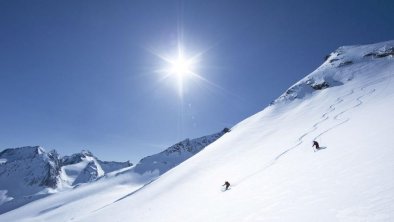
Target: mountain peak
{"x":334,"y":71}
{"x":87,"y":153}
{"x":77,"y":157}
{"x":25,"y":172}
{"x":20,"y":153}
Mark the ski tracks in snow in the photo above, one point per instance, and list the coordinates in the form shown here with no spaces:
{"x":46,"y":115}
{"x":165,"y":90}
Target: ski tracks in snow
{"x":359,"y":103}
{"x":315,"y":126}
{"x":336,"y":117}
{"x":325,"y":117}
{"x":125,"y":196}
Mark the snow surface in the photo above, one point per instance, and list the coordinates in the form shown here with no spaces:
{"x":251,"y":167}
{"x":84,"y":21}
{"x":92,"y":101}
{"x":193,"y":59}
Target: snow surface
{"x":275,"y":174}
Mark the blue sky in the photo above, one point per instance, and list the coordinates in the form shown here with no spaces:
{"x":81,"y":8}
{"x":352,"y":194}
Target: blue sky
{"x":84,"y":74}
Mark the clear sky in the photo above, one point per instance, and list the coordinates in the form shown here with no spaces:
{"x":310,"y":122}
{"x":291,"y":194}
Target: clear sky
{"x":85,"y":74}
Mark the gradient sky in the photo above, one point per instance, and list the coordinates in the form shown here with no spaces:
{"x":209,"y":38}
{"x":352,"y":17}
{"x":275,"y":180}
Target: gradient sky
{"x":83,"y":74}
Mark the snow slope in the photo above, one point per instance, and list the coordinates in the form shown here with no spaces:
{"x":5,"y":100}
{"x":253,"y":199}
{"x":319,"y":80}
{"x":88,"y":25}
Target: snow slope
{"x":268,"y":158}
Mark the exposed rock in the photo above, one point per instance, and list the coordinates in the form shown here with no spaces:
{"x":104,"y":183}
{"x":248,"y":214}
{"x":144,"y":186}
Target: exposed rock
{"x":381,"y":53}
{"x":76,"y":158}
{"x":345,"y":63}
{"x":320,"y":86}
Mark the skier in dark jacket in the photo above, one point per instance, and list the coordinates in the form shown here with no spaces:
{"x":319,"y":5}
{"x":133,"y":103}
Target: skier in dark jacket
{"x":227,"y":184}
{"x":316,"y":144}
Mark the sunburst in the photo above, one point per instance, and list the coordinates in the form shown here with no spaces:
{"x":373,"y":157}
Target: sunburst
{"x":180,"y":67}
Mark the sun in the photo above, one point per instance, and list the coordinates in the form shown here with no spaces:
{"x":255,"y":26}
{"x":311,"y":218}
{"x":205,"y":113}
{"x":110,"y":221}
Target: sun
{"x":181,"y":67}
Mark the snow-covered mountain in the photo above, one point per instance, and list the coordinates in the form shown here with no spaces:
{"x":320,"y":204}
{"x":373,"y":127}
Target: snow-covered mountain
{"x":345,"y":104}
{"x":340,"y":67}
{"x":83,"y":167}
{"x":30,"y":173}
{"x":176,"y":154}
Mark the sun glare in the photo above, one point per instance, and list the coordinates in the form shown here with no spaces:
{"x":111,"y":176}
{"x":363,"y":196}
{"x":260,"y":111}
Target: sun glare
{"x":181,"y":67}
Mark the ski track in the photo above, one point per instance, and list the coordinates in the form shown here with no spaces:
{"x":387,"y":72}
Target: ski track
{"x":360,"y":102}
{"x":125,"y":196}
{"x":324,"y":117}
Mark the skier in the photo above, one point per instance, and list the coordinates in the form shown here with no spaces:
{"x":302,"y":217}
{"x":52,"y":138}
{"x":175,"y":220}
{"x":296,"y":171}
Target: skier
{"x":227,"y":184}
{"x":316,"y":144}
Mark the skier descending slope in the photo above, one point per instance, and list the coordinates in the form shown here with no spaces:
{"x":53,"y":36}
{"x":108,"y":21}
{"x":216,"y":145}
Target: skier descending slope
{"x":318,"y":147}
{"x":316,"y":144}
{"x":227,"y":184}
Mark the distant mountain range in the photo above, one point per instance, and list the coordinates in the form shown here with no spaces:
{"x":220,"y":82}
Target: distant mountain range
{"x":30,"y":173}
{"x":176,"y":154}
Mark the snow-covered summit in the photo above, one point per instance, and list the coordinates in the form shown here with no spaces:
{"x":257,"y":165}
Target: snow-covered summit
{"x":84,"y":167}
{"x":29,"y":173}
{"x":335,"y":69}
{"x":10,"y":155}
{"x":76,"y":157}
{"x":30,"y":166}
